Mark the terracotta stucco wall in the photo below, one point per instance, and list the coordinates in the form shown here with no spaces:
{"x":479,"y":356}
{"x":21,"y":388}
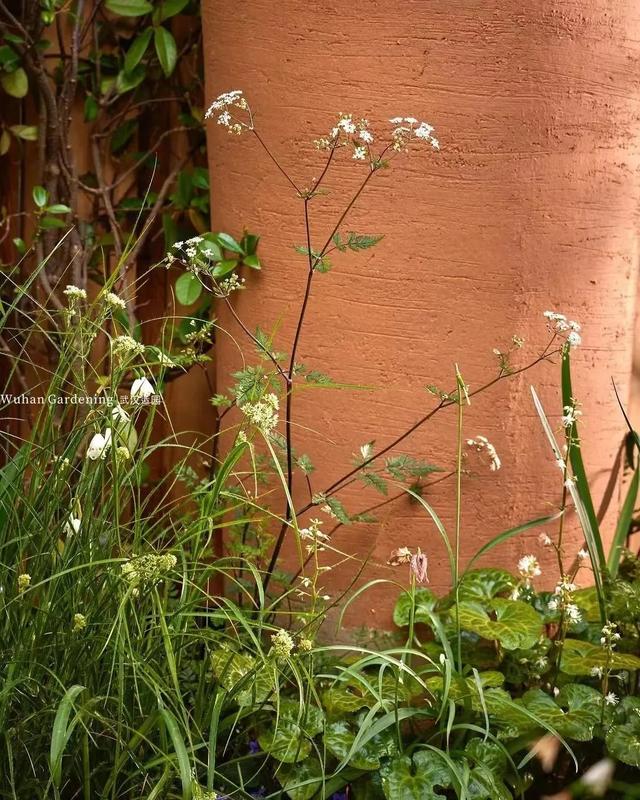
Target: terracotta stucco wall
{"x":531,"y":204}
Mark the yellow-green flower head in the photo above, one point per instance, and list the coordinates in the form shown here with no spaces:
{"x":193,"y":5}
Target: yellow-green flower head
{"x":79,"y":622}
{"x":24,"y":582}
{"x":282,"y":644}
{"x":148,"y":570}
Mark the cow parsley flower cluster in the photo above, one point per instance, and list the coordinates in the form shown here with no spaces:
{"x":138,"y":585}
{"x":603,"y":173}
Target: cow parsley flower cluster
{"x":228,"y":285}
{"x":567,"y":327}
{"x":190,"y":249}
{"x":115,"y":302}
{"x":349,"y":132}
{"x":483,"y":446}
{"x":123,"y":347}
{"x":408,"y":128}
{"x":226,"y":106}
{"x":148,"y":570}
{"x":263,"y":413}
{"x":75,"y":293}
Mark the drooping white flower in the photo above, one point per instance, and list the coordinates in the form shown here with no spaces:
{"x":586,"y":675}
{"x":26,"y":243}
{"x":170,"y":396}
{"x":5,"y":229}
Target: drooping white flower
{"x":72,"y":525}
{"x":583,"y":554}
{"x":596,"y":672}
{"x":119,"y":415}
{"x":141,"y":389}
{"x":99,"y":445}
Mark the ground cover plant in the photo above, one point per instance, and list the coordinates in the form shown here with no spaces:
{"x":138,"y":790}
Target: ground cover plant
{"x":155,"y":644}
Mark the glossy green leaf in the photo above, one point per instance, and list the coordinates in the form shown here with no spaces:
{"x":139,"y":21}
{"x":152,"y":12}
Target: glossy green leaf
{"x":416,"y":778}
{"x":15,"y":83}
{"x":516,"y":624}
{"x":40,"y":196}
{"x":623,"y":738}
{"x":52,"y":222}
{"x":223,"y":268}
{"x":301,"y":781}
{"x":229,"y":243}
{"x":58,"y":208}
{"x":169,"y":8}
{"x":252,"y":261}
{"x":289,"y":738}
{"x":580,"y":658}
{"x":129,"y":8}
{"x":425,"y":602}
{"x":340,"y":738}
{"x":485,"y":584}
{"x":28,"y":133}
{"x":241,"y":675}
{"x":127,"y":81}
{"x":137,"y":49}
{"x":188,"y":289}
{"x":166,"y":49}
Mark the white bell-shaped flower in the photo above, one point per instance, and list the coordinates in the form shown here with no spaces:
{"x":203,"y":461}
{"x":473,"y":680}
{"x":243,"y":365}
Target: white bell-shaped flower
{"x":99,"y":445}
{"x":141,"y":389}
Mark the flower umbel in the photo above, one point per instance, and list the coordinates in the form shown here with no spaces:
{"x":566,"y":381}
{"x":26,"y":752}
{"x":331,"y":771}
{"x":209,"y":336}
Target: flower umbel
{"x":227,"y":105}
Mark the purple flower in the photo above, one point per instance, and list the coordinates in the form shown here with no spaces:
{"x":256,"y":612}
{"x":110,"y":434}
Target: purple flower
{"x":418,"y":566}
{"x":339,"y":795}
{"x":254,"y":747}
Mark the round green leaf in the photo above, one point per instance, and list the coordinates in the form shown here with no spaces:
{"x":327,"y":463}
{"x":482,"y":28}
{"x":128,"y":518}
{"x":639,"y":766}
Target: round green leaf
{"x":580,"y":658}
{"x":516,"y":624}
{"x":15,"y":83}
{"x":425,"y":602}
{"x":166,"y":49}
{"x":301,"y":781}
{"x":188,"y":289}
{"x":623,"y":742}
{"x":416,"y":778}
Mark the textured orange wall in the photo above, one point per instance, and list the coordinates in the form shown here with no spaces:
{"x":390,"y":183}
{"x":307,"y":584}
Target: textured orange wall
{"x":531,"y":204}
